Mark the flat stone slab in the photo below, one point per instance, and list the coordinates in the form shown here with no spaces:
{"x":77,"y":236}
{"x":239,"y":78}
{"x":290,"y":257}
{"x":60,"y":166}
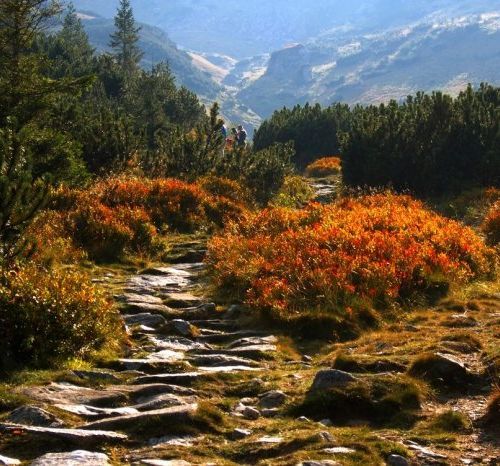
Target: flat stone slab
{"x":182,"y":300}
{"x":73,"y":394}
{"x":177,"y":414}
{"x":228,"y":369}
{"x":147,"y":308}
{"x":339,"y":451}
{"x":33,"y":416}
{"x":94,"y":411}
{"x":257,"y":352}
{"x":167,"y":355}
{"x":74,"y":458}
{"x":253,"y":341}
{"x":164,"y":462}
{"x":182,"y":378}
{"x":215,"y":360}
{"x":5,"y":461}
{"x":331,"y":378}
{"x":80,"y":437}
{"x":146,"y":318}
{"x":139,"y":298}
{"x":149,"y":364}
{"x":144,"y":393}
{"x":177,"y":343}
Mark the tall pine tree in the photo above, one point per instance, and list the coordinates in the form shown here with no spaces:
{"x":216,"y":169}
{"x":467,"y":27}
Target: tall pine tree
{"x":27,"y":143}
{"x":124,"y":39}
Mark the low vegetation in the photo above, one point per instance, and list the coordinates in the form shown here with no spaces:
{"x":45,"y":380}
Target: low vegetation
{"x":491,"y":225}
{"x":367,"y":251}
{"x":326,"y":166}
{"x":51,"y":315}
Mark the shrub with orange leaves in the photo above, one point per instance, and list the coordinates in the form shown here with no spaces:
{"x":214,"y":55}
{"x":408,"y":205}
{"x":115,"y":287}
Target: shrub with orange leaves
{"x":126,"y":214}
{"x":54,"y":314}
{"x":374,"y":249}
{"x":326,"y":166}
{"x":491,"y":224}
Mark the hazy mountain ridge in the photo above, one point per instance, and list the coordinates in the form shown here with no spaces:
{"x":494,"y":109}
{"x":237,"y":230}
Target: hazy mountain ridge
{"x":364,"y":51}
{"x":367,"y":68}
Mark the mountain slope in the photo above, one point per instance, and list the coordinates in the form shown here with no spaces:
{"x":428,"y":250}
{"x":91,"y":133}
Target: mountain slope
{"x":157,"y":47}
{"x":244,"y":28}
{"x":377,"y":67}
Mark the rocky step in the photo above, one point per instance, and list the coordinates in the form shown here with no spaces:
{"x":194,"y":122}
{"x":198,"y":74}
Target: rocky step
{"x":254,"y":352}
{"x":218,"y":336}
{"x":217,"y":360}
{"x":215,"y":324}
{"x":87,"y":438}
{"x":182,"y":300}
{"x":154,"y":365}
{"x":161,"y":418}
{"x":74,"y":458}
{"x":156,"y":402}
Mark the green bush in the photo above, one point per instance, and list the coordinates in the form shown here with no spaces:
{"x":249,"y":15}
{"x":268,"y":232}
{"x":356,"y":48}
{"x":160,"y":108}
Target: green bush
{"x":294,"y":193}
{"x":50,"y":315}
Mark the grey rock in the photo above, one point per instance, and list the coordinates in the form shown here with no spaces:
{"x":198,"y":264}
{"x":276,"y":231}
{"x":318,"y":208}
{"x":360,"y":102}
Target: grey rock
{"x":250,"y":413}
{"x":397,"y":460}
{"x":94,"y":411}
{"x":165,"y":462}
{"x":148,"y":308}
{"x":441,"y":368}
{"x":239,"y":434}
{"x":325,"y":436}
{"x":339,"y":451}
{"x":144,"y":393}
{"x":182,"y":300}
{"x":33,"y":416}
{"x":73,"y":394}
{"x":253,"y":341}
{"x":272,"y":399}
{"x":79,"y":437}
{"x":221,"y":360}
{"x":326,"y":422}
{"x":320,"y":463}
{"x":303,"y":419}
{"x":176,"y":414}
{"x":74,"y":458}
{"x":6,"y":461}
{"x":331,"y":378}
{"x":182,"y":378}
{"x":146,"y":319}
{"x":184,"y":327}
{"x":149,"y":365}
{"x":139,"y":298}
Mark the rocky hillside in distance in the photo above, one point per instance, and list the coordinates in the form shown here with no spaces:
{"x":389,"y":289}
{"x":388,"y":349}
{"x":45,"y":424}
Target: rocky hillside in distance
{"x":157,"y":47}
{"x":370,"y":68}
{"x":247,"y":28}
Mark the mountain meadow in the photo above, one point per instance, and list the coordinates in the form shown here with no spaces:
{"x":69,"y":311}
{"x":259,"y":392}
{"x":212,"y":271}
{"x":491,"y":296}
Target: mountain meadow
{"x":321,"y":291}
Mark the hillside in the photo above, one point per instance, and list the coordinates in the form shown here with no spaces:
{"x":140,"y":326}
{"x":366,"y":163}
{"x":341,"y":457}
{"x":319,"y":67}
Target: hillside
{"x":251,"y":28}
{"x":157,"y":47}
{"x":374,"y":68}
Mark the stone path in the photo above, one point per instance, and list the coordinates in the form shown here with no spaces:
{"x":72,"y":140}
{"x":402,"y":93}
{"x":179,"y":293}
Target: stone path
{"x":177,"y":344}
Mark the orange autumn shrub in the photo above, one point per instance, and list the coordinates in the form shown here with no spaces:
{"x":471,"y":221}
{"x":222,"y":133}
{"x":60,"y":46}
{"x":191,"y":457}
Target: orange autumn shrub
{"x":491,"y":224}
{"x":373,"y":249}
{"x":122,"y":215}
{"x":52,"y":314}
{"x":325,"y":166}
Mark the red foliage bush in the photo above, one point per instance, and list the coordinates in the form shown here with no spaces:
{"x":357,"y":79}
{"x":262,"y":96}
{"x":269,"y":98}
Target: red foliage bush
{"x":325,"y":166}
{"x":491,"y":224}
{"x":374,"y":249}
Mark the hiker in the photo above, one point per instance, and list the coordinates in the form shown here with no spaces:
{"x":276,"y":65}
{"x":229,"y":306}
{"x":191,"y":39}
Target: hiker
{"x":224,"y":131}
{"x":241,"y":136}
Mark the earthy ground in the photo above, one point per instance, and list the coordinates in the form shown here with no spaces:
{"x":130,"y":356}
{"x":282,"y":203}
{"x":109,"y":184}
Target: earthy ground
{"x":210,"y":384}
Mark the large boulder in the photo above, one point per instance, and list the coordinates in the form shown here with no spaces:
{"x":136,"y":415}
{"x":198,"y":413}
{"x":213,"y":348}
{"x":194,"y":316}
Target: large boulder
{"x":440,"y":369}
{"x":74,"y":458}
{"x":33,"y":416}
{"x":331,"y":378}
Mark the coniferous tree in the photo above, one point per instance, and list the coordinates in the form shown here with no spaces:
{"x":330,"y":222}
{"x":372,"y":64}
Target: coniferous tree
{"x":28,"y":145}
{"x":124,"y":39}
